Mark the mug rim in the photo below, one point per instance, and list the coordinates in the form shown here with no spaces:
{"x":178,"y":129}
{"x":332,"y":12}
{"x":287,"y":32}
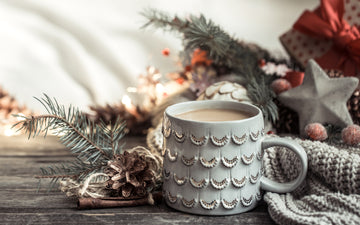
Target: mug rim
{"x":179,"y":108}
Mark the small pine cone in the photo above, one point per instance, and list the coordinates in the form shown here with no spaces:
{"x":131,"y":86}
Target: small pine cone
{"x":316,"y":132}
{"x":288,"y":121}
{"x":130,"y":175}
{"x":109,"y":114}
{"x":351,"y":135}
{"x":334,"y":73}
{"x":353,"y":104}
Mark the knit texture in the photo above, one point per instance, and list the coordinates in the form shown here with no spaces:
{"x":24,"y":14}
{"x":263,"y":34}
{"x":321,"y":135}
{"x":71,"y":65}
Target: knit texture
{"x":329,"y":195}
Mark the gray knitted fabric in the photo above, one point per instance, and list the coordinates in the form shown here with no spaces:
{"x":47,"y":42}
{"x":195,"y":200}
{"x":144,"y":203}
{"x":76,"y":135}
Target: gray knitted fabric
{"x":329,"y":195}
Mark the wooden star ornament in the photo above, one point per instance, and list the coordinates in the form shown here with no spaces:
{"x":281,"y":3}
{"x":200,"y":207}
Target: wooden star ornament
{"x":320,"y":98}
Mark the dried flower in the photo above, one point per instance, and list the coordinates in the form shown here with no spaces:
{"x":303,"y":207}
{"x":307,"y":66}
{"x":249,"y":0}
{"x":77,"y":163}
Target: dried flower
{"x":200,"y":57}
{"x":202,"y":78}
{"x":271,"y":68}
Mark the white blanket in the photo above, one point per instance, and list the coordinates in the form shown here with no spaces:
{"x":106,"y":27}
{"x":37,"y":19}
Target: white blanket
{"x":88,"y":52}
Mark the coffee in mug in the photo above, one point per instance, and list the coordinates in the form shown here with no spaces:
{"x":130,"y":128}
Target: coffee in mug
{"x":213,"y":115}
{"x":213,"y":161}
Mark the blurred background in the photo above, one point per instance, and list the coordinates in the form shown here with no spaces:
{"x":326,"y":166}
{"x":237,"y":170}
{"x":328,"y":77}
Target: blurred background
{"x":88,"y":52}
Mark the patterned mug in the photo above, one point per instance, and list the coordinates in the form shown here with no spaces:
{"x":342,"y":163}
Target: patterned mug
{"x":215,"y":168}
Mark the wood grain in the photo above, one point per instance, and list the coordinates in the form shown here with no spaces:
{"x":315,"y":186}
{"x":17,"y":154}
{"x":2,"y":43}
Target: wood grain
{"x":20,"y":160}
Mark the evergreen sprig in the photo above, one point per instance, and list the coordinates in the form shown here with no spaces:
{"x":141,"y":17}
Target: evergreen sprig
{"x":77,"y":170}
{"x":224,"y":50}
{"x":334,"y":133}
{"x":198,"y":32}
{"x":262,"y":96}
{"x":93,"y":143}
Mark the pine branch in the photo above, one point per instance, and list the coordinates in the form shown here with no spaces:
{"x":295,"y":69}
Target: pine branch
{"x":93,"y":144}
{"x":198,"y":32}
{"x":32,"y":123}
{"x":160,"y":19}
{"x":334,"y":133}
{"x":260,"y":94}
{"x":74,"y":138}
{"x":77,"y":170}
{"x":116,"y":134}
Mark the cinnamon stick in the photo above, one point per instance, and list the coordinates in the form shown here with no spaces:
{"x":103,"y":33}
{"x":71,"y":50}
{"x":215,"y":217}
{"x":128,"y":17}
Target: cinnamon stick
{"x":98,"y":203}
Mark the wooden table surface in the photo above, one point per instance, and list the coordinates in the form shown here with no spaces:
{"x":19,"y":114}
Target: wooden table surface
{"x":20,"y":160}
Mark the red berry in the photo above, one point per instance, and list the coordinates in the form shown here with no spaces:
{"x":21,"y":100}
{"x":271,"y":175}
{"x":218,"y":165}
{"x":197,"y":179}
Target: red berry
{"x":262,"y":62}
{"x":316,"y":131}
{"x":280,"y":85}
{"x":166,"y":51}
{"x":351,"y":135}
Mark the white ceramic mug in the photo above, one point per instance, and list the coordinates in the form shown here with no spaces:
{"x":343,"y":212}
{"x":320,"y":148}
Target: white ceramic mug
{"x":215,"y":168}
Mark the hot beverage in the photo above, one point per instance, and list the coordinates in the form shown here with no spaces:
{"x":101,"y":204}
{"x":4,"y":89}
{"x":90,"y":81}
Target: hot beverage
{"x":213,"y":115}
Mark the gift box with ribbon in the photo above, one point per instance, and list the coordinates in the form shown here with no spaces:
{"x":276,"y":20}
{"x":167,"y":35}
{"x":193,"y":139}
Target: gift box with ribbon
{"x":330,"y":34}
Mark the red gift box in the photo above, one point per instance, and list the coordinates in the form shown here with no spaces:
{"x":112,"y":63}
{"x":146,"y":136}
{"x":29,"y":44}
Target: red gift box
{"x":329,"y":34}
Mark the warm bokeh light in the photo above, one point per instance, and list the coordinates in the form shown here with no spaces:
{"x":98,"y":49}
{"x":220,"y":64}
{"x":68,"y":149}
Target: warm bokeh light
{"x":126,"y":100}
{"x":159,"y":88}
{"x":8,"y":131}
{"x":131,"y":89}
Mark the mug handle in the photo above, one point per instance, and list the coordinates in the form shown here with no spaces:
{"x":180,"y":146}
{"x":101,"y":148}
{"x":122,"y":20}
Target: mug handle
{"x":273,"y":186}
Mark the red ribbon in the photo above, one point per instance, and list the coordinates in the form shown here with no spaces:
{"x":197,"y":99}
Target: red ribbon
{"x":327,"y":22}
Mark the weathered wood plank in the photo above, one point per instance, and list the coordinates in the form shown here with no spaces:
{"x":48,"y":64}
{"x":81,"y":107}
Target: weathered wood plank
{"x":17,"y":206}
{"x":20,"y":160}
{"x":21,"y":146}
{"x":134,"y":218}
{"x":15,"y":166}
{"x":30,"y":199}
{"x":57,"y":209}
{"x":50,"y":146}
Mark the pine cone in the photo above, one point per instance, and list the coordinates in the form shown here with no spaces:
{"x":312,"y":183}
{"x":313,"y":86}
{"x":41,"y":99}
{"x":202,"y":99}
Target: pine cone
{"x":353,"y":104}
{"x":288,"y":121}
{"x":109,"y":114}
{"x":130,"y":175}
